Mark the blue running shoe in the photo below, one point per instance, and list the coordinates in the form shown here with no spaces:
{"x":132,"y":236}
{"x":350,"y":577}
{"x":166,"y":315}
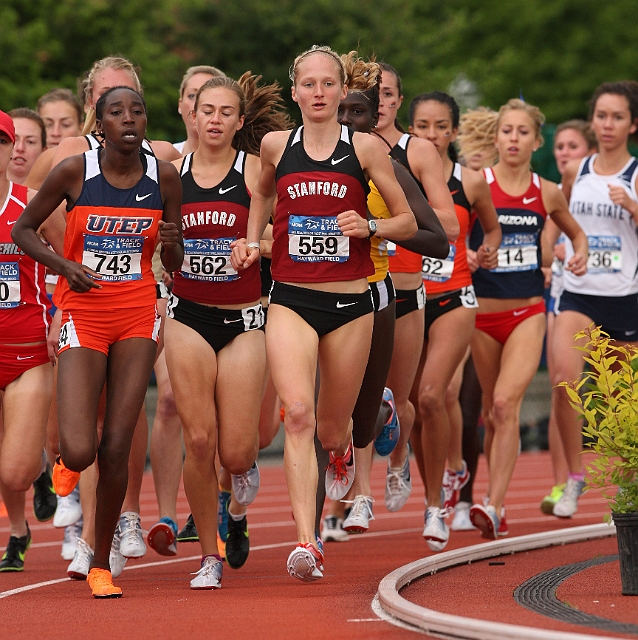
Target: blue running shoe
{"x":222,"y":515}
{"x":385,"y":442}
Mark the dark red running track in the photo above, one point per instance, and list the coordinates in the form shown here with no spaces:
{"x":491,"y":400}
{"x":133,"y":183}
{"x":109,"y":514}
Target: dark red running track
{"x":260,"y":600}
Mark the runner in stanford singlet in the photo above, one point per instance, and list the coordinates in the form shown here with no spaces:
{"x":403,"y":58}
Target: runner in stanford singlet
{"x":320,"y":304}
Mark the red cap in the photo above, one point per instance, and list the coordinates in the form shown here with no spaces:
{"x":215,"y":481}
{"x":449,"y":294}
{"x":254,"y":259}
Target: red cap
{"x":6,"y":125}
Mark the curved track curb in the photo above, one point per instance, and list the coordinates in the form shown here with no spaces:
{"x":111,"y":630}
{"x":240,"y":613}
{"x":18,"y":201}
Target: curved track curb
{"x":460,"y":627}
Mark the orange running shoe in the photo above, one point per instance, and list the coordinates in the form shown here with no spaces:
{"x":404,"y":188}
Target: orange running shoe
{"x":101,"y":583}
{"x":64,"y":480}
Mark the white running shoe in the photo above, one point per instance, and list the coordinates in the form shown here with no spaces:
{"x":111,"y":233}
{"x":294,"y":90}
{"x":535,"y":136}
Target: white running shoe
{"x":132,"y":543}
{"x":305,"y":563}
{"x":567,"y":506}
{"x":71,"y":535}
{"x":358,"y":519}
{"x":436,"y":532}
{"x":461,"y":521}
{"x":246,"y":485}
{"x":209,"y":575}
{"x":340,"y":473}
{"x":69,"y":510}
{"x":453,"y":482}
{"x":398,"y":486}
{"x":79,"y":568}
{"x":116,"y":559}
{"x":332,"y":530}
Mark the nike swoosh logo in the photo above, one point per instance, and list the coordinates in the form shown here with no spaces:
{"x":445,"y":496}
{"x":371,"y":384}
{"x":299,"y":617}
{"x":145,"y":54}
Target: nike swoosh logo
{"x":529,"y":200}
{"x":137,"y":197}
{"x":444,"y":302}
{"x":223,"y":191}
{"x":24,"y":358}
{"x":341,"y":305}
{"x":334,"y":162}
{"x":10,"y":223}
{"x":519,"y":313}
{"x":453,"y":192}
{"x":402,"y":300}
{"x":227,"y":321}
{"x":629,"y":333}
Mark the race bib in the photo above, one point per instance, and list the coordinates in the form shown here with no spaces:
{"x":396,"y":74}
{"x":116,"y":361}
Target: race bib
{"x":208,"y":259}
{"x":9,"y":285}
{"x":316,"y":238}
{"x":437,"y":270}
{"x":468,"y":297}
{"x":518,"y":252}
{"x":605,"y":254}
{"x":115,"y":258}
{"x":253,"y":317}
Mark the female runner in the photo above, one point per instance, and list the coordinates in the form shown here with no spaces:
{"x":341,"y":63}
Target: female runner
{"x":573,"y":140}
{"x":510,"y":324}
{"x":62,"y":114}
{"x":192,"y":81}
{"x":359,"y":111}
{"x":603,"y":198}
{"x":421,"y":159}
{"x":320,"y":306}
{"x":450,"y":295}
{"x":120,"y":201}
{"x":31,"y":141}
{"x":215,"y":344}
{"x":106,"y":73}
{"x":26,"y":374}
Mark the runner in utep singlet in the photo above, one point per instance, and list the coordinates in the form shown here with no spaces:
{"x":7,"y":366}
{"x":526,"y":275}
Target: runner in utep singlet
{"x":119,"y":202}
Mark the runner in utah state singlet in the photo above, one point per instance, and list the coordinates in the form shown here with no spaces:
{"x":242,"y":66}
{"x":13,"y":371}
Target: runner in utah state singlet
{"x":114,"y":232}
{"x":308,"y":245}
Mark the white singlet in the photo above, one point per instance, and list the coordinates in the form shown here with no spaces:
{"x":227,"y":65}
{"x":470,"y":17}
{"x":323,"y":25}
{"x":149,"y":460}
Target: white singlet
{"x":612,"y":267}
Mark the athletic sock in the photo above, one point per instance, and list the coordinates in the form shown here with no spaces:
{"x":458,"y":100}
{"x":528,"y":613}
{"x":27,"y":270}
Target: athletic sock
{"x":236,"y":518}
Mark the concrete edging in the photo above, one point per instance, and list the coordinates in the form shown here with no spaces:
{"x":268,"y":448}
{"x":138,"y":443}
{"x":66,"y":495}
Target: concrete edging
{"x":458,"y":626}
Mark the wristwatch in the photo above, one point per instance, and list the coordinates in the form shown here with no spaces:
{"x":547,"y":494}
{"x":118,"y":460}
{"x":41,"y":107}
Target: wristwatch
{"x":372,"y":228}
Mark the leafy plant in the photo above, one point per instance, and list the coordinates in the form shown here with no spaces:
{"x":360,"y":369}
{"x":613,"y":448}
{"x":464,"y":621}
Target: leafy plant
{"x":606,"y":396}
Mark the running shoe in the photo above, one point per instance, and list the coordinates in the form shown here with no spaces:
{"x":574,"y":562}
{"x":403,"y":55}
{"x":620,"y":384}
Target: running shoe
{"x":237,"y":542}
{"x":485,"y":519}
{"x":436,"y":532}
{"x":209,"y":575}
{"x":461,"y":520}
{"x":340,"y":473}
{"x":101,"y":583}
{"x":64,"y":480}
{"x":69,"y":510}
{"x":161,"y":537}
{"x":44,"y":499}
{"x":132,"y":543}
{"x":71,"y":535}
{"x":332,"y":530}
{"x":79,"y":568}
{"x":13,"y":558}
{"x":246,"y":485}
{"x":189,"y":532}
{"x":503,"y":529}
{"x":567,"y":506}
{"x":116,"y":559}
{"x":222,"y":514}
{"x":386,"y":441}
{"x":305,"y":563}
{"x":398,"y":486}
{"x":453,"y":482}
{"x":358,"y":519}
{"x":548,"y":503}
